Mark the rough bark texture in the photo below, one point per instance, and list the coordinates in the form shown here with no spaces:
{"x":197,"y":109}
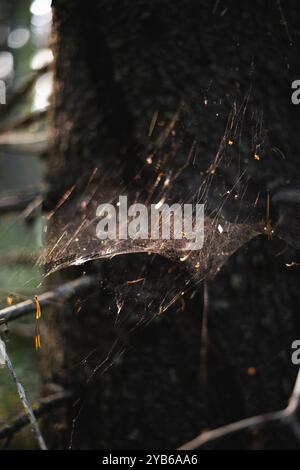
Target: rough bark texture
{"x":116,"y":62}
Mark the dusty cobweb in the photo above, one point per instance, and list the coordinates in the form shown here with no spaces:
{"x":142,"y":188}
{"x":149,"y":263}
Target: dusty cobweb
{"x":175,"y":168}
{"x":71,"y":238}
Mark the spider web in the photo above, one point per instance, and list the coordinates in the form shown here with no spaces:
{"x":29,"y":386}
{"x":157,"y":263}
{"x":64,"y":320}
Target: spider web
{"x":229,"y":222}
{"x":175,"y":169}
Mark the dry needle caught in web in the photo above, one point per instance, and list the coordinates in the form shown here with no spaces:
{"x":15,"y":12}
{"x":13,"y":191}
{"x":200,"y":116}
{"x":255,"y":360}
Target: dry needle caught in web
{"x":9,"y":300}
{"x":38,"y":314}
{"x":152,"y":123}
{"x":268,"y":227}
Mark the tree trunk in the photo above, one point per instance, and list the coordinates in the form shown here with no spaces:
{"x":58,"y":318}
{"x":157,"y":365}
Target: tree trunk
{"x":116,"y":63}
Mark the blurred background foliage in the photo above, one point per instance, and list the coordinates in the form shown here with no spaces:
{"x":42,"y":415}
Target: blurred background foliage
{"x":24,"y":51}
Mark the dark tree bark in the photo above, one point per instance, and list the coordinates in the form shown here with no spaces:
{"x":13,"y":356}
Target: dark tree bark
{"x":116,"y":62}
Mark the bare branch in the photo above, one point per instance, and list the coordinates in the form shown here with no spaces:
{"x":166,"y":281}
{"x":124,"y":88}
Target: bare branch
{"x":63,"y":291}
{"x":288,"y":415}
{"x":21,"y":200}
{"x":23,"y":397}
{"x":24,"y":121}
{"x":41,"y":408}
{"x":30,"y":210}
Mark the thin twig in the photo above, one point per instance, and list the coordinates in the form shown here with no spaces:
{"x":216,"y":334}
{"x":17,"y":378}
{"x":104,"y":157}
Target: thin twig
{"x":63,"y":291}
{"x":25,"y":402}
{"x":31,"y":209}
{"x":288,"y":415}
{"x":20,"y":201}
{"x":41,"y":408}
